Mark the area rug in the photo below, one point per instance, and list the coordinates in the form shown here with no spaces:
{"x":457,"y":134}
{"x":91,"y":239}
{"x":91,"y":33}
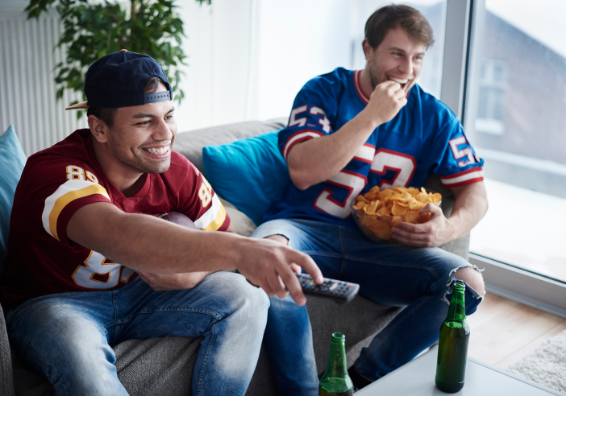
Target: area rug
{"x":546,"y":365}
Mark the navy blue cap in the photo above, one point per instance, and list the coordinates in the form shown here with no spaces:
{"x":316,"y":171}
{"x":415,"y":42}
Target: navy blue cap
{"x":118,"y":80}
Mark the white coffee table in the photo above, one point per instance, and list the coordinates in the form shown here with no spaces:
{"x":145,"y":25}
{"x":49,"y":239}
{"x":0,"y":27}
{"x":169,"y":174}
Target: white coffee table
{"x":417,"y":378}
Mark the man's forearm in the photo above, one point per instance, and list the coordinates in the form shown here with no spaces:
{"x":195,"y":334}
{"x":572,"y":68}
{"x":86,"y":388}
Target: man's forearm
{"x":157,"y":243}
{"x":312,"y":162}
{"x":205,"y":251}
{"x":469,"y":208}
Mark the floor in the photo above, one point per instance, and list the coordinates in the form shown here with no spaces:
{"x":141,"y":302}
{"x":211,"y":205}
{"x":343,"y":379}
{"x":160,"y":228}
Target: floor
{"x":503,"y":331}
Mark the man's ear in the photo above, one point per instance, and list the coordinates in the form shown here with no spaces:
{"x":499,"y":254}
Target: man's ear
{"x":98,"y":128}
{"x":367,"y":50}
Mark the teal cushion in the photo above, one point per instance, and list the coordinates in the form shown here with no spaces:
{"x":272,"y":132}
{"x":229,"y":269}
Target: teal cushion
{"x":12,"y":161}
{"x":250,"y":173}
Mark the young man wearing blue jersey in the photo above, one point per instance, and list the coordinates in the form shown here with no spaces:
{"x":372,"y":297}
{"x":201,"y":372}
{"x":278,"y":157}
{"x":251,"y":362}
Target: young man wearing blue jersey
{"x":349,"y":131}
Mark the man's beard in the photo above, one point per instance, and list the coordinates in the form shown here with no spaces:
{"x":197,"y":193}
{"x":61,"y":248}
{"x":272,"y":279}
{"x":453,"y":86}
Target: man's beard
{"x":373,"y":79}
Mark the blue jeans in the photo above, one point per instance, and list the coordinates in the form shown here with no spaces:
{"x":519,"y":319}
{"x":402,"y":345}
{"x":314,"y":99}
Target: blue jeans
{"x":388,"y":274}
{"x":67,"y":337}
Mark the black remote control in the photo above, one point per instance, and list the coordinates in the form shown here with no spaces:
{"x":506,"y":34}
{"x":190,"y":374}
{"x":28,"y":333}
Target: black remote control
{"x":340,"y":291}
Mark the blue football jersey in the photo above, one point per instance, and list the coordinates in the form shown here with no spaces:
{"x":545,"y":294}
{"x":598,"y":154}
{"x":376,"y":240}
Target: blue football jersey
{"x":424,"y":138}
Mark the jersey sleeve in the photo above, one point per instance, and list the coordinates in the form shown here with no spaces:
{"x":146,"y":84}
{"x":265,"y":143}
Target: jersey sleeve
{"x":201,"y":203}
{"x":66,"y":188}
{"x":458,"y":164}
{"x":312,"y":113}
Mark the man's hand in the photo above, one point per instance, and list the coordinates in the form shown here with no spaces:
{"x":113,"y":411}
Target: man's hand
{"x":435,"y":232}
{"x":284,"y":241}
{"x":172,"y":281}
{"x":273,"y":266}
{"x":385,"y":102}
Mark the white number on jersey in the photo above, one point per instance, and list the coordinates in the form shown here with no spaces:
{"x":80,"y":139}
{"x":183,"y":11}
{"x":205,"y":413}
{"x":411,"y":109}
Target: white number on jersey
{"x":77,"y":173}
{"x":467,"y":152}
{"x":353,"y":182}
{"x":323,"y":121}
{"x":298,"y":117}
{"x":96,"y":272}
{"x":294,"y":121}
{"x":205,"y":194}
{"x":387,"y":160}
{"x":382,"y":162}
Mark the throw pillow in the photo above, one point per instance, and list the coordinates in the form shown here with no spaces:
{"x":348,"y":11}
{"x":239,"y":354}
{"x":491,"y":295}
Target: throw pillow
{"x":12,"y":161}
{"x":250,"y":173}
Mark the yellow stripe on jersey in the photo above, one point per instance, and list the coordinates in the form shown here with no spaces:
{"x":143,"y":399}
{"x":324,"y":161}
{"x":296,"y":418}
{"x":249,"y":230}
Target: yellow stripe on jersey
{"x":219,"y":220}
{"x":63,"y":196}
{"x":214,"y":217}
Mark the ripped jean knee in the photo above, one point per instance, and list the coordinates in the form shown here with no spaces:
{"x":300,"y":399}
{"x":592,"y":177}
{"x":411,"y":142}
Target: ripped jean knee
{"x":472,"y":296}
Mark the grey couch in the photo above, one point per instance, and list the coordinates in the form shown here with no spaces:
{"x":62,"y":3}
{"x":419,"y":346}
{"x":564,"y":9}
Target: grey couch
{"x":163,"y":366}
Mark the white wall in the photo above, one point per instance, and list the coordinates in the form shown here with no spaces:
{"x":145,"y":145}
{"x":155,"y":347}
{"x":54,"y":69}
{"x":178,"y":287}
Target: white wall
{"x":218,"y":46}
{"x":296,"y":41}
{"x":248,"y":58}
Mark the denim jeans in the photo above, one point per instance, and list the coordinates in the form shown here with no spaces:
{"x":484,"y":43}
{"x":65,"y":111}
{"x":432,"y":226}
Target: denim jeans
{"x":67,"y":337}
{"x":388,"y":274}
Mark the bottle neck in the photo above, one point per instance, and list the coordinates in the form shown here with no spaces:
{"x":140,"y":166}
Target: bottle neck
{"x":337,"y":364}
{"x":456,"y":311}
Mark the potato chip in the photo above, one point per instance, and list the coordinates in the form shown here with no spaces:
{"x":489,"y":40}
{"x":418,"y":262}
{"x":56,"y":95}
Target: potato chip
{"x":371,"y":208}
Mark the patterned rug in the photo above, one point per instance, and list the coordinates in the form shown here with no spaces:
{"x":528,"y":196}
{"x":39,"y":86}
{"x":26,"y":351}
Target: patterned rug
{"x":546,"y":365}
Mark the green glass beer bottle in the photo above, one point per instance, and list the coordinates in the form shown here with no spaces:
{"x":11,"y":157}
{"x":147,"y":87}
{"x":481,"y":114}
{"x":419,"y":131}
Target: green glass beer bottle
{"x":454,"y":342}
{"x":336,"y":381}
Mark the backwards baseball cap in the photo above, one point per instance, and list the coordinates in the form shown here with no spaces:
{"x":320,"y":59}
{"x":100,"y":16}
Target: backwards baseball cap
{"x":118,"y":80}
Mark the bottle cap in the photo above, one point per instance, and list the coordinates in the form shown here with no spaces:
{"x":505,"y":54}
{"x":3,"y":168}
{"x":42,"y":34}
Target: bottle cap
{"x":338,"y":336}
{"x":458,"y":285}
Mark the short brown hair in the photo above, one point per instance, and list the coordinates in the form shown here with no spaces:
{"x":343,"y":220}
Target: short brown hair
{"x":107,"y":114}
{"x":393,"y":16}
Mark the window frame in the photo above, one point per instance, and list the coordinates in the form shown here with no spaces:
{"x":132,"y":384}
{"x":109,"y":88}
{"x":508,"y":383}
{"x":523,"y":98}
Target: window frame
{"x":521,"y":285}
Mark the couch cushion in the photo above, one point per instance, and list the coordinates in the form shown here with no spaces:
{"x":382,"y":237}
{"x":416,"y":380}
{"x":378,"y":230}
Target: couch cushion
{"x":191,"y":143}
{"x":250,"y":173}
{"x":155,"y":366}
{"x":12,"y":161}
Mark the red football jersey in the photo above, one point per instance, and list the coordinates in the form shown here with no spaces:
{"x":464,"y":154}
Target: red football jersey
{"x":61,"y":179}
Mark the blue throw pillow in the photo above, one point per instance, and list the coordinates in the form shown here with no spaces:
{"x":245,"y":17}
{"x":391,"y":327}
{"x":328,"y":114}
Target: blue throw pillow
{"x":250,"y":173}
{"x":12,"y":161}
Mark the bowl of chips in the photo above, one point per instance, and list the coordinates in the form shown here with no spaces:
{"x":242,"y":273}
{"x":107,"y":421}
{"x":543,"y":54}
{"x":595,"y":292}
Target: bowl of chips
{"x":376,"y":211}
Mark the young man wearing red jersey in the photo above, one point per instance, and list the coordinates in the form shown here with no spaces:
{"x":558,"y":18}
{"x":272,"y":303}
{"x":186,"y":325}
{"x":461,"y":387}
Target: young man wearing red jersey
{"x":89,"y":264}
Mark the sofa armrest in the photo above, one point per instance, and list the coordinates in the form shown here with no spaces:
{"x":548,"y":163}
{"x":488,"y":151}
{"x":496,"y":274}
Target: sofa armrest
{"x":6,"y":370}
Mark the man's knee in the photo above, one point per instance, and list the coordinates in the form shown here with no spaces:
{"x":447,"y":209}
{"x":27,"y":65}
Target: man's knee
{"x":473,"y":279}
{"x":246,"y":299}
{"x":255,"y":299}
{"x":279,"y":230}
{"x":72,"y":352}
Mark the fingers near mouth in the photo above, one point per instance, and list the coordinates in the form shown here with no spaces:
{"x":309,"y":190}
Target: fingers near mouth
{"x":402,"y":83}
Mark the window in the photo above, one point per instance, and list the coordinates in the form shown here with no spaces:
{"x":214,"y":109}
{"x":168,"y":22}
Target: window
{"x":490,"y":106}
{"x":515,"y":115}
